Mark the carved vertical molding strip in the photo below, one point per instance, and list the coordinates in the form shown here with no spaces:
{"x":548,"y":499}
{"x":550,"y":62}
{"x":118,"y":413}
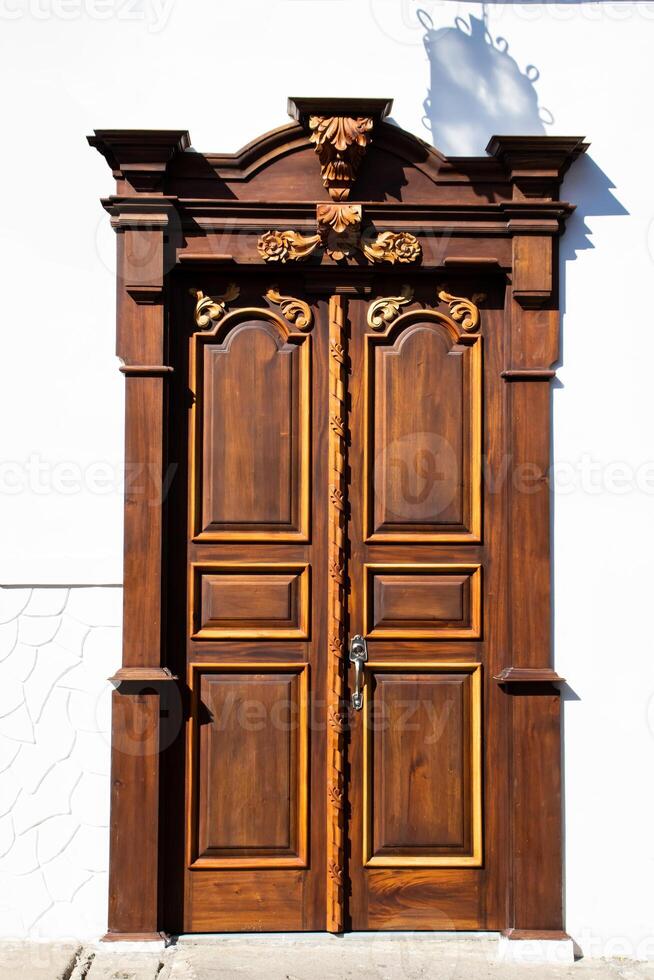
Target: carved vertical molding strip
{"x":337,"y":708}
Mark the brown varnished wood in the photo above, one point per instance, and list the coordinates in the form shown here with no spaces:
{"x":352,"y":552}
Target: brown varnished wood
{"x":257,"y":587}
{"x":467,"y":893}
{"x":228,"y":587}
{"x":249,"y":758}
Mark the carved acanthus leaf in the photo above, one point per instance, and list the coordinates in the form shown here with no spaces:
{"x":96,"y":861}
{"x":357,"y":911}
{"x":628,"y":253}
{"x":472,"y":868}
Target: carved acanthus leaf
{"x":282,"y":246}
{"x":464,"y":311}
{"x":340,"y":142}
{"x":390,"y":246}
{"x":211,"y":309}
{"x":384,"y":310}
{"x":295,"y":310}
{"x":339,"y":226}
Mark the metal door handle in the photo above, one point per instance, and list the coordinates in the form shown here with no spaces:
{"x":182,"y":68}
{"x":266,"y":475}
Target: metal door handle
{"x":358,"y":657}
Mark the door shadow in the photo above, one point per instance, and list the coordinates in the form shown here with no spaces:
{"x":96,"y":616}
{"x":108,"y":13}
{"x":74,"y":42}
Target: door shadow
{"x":476,"y":88}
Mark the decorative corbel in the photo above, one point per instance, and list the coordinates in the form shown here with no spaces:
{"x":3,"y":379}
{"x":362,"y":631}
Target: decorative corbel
{"x":340,"y":142}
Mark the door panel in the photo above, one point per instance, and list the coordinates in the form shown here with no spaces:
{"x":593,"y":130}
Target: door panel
{"x":422,"y":765}
{"x":256,"y":619}
{"x":335,"y":489}
{"x":251,"y":466}
{"x":422,"y":601}
{"x":249,"y":752}
{"x":423,"y":462}
{"x":423,"y":585}
{"x":250,"y":601}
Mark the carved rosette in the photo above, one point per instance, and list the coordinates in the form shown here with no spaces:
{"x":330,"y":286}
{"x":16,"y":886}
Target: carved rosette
{"x":340,"y":142}
{"x":464,"y":311}
{"x":384,"y":310}
{"x":286,"y":246}
{"x":336,"y":698}
{"x":210,"y":309}
{"x":296,"y":311}
{"x":393,"y":247}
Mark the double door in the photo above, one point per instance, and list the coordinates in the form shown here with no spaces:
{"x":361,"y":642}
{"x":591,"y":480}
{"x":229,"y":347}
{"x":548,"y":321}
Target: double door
{"x":345,"y":753}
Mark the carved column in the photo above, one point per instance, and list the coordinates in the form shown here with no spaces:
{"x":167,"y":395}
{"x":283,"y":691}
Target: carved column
{"x":337,"y":707}
{"x":142,"y":217}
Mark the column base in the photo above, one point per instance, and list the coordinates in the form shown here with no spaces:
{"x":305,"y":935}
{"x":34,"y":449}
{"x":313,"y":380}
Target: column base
{"x":150,"y":942}
{"x":526,"y":946}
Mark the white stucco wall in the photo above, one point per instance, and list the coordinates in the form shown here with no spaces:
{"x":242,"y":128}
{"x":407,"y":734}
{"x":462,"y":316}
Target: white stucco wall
{"x":224,"y":71}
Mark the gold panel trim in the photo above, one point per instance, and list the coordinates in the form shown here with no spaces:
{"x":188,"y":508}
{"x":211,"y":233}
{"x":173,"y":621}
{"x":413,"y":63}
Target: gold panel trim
{"x":299,"y":632}
{"x":301,"y":859}
{"x":475,"y":858}
{"x":473,"y":632}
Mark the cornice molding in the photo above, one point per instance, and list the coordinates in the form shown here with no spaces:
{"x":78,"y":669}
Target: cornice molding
{"x":536,"y":164}
{"x":140,"y":156}
{"x":301,"y":107}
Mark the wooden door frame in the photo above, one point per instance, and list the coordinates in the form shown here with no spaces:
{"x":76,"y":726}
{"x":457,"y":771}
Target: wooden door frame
{"x":495,"y":214}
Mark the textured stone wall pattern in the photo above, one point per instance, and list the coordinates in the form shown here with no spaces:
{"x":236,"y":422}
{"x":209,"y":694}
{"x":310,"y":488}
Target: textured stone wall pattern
{"x":57,"y":648}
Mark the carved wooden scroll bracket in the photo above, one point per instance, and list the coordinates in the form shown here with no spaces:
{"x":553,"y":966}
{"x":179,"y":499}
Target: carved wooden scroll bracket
{"x":383,"y":311}
{"x":209,"y":310}
{"x":340,"y":234}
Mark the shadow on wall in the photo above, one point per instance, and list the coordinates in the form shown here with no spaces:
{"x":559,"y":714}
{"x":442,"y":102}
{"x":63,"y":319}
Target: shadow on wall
{"x":591,"y":190}
{"x":476,"y":88}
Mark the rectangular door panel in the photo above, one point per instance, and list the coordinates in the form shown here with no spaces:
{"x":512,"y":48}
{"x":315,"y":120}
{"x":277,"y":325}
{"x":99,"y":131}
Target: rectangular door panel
{"x":250,"y":601}
{"x":422,"y":765}
{"x":251,"y":432}
{"x":422,"y":601}
{"x":423,"y":468}
{"x":249,"y":757}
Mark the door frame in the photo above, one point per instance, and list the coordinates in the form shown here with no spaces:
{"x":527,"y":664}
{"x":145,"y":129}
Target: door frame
{"x":499,"y":214}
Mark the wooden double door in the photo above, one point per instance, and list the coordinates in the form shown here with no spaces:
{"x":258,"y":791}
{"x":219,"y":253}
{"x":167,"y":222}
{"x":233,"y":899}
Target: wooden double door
{"x":338,"y":434}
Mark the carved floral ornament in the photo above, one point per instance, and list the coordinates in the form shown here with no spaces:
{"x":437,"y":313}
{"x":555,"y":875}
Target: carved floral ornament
{"x":340,"y":142}
{"x":340,"y":235}
{"x":209,"y":310}
{"x":384,"y":310}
